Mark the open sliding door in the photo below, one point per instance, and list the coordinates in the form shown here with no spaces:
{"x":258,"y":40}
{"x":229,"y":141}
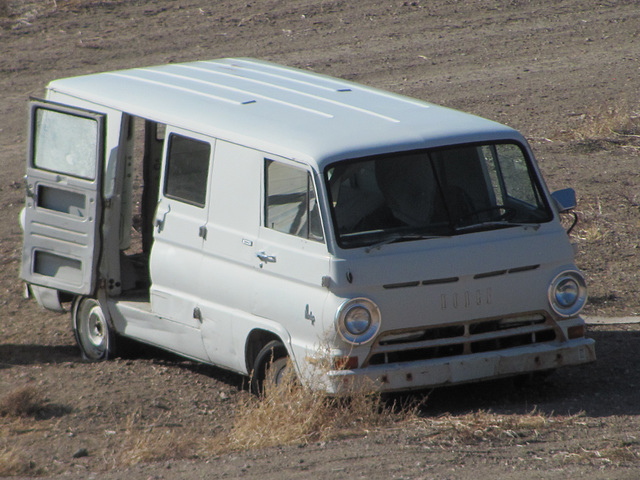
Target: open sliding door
{"x":64,"y":202}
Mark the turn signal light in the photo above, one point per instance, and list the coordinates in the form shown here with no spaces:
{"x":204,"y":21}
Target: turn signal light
{"x":345,"y":363}
{"x":576,"y":331}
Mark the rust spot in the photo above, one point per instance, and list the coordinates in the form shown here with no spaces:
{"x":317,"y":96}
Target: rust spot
{"x":384,"y":379}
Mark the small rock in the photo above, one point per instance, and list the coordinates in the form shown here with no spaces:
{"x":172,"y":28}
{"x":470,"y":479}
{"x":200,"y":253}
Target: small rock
{"x":82,"y":452}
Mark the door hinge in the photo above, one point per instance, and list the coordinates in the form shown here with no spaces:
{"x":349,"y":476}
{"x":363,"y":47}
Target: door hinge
{"x":30,"y":191}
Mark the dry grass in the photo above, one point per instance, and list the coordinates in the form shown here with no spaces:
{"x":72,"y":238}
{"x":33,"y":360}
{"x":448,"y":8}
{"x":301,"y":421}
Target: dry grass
{"x":484,"y":426}
{"x":14,"y":463}
{"x":607,"y":456}
{"x":15,"y":408}
{"x":25,"y":12}
{"x":289,"y":414}
{"x":595,"y":221}
{"x":617,"y":125}
{"x":22,"y":402}
{"x":610,"y":122}
{"x":286,"y":414}
{"x":141,"y":443}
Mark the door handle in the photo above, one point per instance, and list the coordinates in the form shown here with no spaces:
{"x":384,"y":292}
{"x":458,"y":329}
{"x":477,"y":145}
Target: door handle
{"x":161,"y":217}
{"x":266,"y":258}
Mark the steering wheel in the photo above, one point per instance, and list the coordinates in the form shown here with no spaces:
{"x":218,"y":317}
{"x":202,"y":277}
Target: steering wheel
{"x":507,"y":213}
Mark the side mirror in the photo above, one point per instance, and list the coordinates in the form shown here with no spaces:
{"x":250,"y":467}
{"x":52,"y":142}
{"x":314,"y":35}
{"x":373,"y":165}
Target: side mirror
{"x":565,"y":199}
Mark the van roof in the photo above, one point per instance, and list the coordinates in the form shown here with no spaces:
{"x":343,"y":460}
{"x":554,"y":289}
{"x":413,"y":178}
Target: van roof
{"x":281,"y":110}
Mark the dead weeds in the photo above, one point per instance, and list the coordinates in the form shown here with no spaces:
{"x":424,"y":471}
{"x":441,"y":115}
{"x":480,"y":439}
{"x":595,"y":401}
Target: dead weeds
{"x":20,"y":13}
{"x":160,"y":441}
{"x":17,"y":409}
{"x":22,"y":402}
{"x":13,"y":463}
{"x":289,"y":414}
{"x":483,"y":426}
{"x":607,"y":127}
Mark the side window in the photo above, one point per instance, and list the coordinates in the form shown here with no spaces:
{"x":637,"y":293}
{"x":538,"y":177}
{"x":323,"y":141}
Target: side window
{"x":187,"y":170}
{"x":291,"y":205}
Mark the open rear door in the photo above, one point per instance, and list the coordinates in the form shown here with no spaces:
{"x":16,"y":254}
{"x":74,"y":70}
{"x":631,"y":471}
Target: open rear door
{"x":64,"y":202}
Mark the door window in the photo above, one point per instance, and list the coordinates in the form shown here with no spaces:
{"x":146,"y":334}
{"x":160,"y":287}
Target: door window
{"x":65,"y":143}
{"x":291,"y":202}
{"x":187,"y":170}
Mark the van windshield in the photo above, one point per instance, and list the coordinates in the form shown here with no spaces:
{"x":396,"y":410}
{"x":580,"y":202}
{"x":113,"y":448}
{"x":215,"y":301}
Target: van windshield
{"x":414,"y":195}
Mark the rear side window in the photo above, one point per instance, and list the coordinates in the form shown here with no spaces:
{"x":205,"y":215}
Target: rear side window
{"x":187,"y":170}
{"x":291,"y":205}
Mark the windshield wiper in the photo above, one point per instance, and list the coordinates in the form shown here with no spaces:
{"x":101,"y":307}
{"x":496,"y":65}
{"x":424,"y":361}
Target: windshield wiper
{"x":400,"y":237}
{"x":495,"y":223}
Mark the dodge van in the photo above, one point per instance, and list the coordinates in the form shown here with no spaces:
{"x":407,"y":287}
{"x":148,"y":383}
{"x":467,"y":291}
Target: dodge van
{"x":258,"y":218}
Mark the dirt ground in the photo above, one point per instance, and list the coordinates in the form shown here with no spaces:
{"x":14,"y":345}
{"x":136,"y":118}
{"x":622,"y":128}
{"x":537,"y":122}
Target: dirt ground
{"x":564,"y":72}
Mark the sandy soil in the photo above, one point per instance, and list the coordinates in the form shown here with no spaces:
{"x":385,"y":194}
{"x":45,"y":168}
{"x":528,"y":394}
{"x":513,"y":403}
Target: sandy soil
{"x":546,"y":68}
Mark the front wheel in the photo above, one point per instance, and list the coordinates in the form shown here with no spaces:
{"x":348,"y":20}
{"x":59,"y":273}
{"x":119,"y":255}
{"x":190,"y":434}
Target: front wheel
{"x":93,"y":334}
{"x":271,"y":367}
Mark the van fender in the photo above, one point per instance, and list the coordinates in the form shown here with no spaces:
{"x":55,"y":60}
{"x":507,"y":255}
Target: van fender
{"x":260,"y":336}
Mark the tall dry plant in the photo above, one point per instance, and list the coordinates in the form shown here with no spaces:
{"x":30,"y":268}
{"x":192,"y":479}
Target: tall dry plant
{"x":289,"y":414}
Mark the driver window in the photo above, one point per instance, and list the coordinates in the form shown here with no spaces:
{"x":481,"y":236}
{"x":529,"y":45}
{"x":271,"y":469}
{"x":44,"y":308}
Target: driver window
{"x":291,"y":205}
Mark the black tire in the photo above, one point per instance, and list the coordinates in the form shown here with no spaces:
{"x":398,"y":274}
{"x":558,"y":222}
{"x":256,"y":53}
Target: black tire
{"x":94,"y":335}
{"x":270,"y":366}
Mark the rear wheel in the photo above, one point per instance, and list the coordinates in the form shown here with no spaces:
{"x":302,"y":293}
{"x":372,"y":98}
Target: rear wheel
{"x":95,"y":337}
{"x":271,"y":367}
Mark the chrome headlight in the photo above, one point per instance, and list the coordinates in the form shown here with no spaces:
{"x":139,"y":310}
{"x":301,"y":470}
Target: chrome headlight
{"x":358,"y":320}
{"x":568,"y":293}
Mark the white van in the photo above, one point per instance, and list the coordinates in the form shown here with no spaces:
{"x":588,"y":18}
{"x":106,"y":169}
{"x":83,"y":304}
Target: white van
{"x":236,"y":212}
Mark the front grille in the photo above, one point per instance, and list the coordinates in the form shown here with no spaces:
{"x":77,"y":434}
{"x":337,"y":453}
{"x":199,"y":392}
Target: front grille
{"x":461,"y":339}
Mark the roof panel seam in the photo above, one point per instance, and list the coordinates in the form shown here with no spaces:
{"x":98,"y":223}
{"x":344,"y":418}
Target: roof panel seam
{"x":340,"y":86}
{"x":285,"y":89}
{"x":175,"y":87}
{"x":234,"y":89}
